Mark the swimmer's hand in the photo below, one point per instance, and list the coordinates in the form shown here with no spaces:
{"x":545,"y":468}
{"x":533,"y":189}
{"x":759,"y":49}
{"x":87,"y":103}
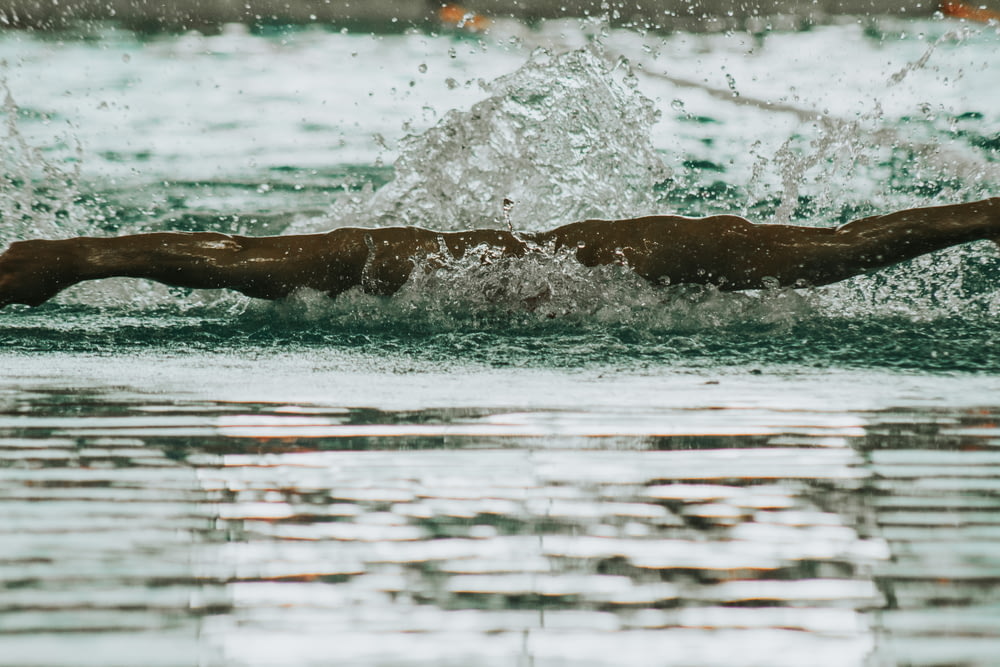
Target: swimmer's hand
{"x":32,"y":272}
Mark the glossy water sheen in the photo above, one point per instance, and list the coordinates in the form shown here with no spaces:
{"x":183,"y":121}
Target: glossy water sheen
{"x":617,"y":476}
{"x":294,"y":509}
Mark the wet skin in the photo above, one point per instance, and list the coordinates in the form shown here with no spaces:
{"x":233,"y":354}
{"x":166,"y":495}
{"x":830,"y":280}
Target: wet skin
{"x":726,"y":251}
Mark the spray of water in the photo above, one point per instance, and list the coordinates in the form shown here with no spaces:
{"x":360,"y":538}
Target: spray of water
{"x":863,"y":154}
{"x":565,"y":136}
{"x":838,"y":157}
{"x":831,"y":164}
{"x":38,"y":196}
{"x":544,"y":292}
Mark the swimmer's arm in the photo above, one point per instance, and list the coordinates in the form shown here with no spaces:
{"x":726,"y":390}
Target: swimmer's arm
{"x":725,"y":250}
{"x":31,"y":272}
{"x":877,"y":242}
{"x":734,"y":254}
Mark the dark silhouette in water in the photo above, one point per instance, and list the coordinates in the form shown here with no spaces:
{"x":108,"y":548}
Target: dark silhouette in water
{"x":725,"y":250}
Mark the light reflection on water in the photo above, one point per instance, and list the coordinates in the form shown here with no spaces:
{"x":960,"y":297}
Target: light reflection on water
{"x":200,"y":532}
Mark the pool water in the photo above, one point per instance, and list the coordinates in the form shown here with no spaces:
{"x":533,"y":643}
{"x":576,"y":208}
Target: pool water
{"x":617,"y":476}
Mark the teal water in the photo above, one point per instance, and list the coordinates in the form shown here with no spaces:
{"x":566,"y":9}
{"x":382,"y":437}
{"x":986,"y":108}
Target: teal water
{"x":619,"y":475}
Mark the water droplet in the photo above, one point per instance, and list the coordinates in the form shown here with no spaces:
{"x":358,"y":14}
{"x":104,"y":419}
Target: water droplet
{"x":732,"y":84}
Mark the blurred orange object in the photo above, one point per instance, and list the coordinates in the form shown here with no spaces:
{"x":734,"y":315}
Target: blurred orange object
{"x":960,"y":10}
{"x":460,"y":17}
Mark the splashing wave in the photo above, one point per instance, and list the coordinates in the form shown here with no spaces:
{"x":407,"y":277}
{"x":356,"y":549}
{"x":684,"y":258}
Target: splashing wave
{"x":566,"y":137}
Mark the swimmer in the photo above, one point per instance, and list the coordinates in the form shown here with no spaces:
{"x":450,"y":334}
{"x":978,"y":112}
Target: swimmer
{"x":725,"y":250}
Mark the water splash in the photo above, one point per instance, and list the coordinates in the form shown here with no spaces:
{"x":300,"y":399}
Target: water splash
{"x":38,"y":196}
{"x":542,"y":293}
{"x":565,"y":136}
{"x":829,"y":166}
{"x":829,"y":156}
